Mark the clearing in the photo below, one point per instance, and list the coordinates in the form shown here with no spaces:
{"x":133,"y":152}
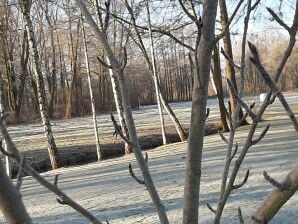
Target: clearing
{"x":108,"y":191}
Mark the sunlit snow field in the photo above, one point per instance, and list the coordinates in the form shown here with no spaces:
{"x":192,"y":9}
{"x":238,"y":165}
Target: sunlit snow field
{"x":108,"y":191}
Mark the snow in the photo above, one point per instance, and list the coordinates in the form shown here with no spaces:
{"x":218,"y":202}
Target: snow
{"x":107,"y":190}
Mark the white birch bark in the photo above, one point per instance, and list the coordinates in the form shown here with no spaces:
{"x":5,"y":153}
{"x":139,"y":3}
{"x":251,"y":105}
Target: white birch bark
{"x":51,"y":145}
{"x":155,"y":78}
{"x":2,"y":110}
{"x":128,"y":113}
{"x":97,"y":143}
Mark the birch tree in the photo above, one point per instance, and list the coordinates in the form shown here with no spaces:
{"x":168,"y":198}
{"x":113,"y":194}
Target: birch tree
{"x":128,"y":113}
{"x":155,"y":77}
{"x":97,"y":143}
{"x":163,"y":102}
{"x":51,"y":145}
{"x":2,"y":111}
{"x":104,"y":23}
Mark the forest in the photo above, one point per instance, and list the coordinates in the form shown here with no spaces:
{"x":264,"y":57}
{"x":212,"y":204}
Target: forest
{"x":70,"y":59}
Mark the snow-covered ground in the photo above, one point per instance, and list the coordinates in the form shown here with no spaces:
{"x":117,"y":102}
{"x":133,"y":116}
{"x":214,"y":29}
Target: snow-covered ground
{"x":108,"y":191}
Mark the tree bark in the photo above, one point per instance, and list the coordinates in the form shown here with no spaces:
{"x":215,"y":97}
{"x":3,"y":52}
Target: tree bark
{"x":230,"y":70}
{"x":51,"y":145}
{"x":276,"y":199}
{"x":155,"y":78}
{"x":97,"y":143}
{"x":11,"y":203}
{"x":219,"y":90}
{"x":128,"y":113}
{"x":2,"y":110}
{"x":198,"y":115}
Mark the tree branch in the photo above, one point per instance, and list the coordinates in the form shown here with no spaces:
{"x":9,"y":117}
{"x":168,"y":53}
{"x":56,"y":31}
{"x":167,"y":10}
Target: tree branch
{"x":243,"y":181}
{"x":278,"y":19}
{"x":240,"y":216}
{"x":277,"y":198}
{"x":20,"y":173}
{"x":262,"y":135}
{"x":132,"y":174}
{"x":240,"y":101}
{"x":229,"y":58}
{"x":104,"y":64}
{"x":272,"y":85}
{"x":282,"y":186}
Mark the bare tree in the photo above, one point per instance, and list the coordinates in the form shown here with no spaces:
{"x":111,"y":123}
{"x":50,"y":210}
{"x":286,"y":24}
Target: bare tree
{"x":127,"y":111}
{"x":164,"y":103}
{"x":155,"y":77}
{"x":52,"y":149}
{"x":2,"y":111}
{"x":104,"y":23}
{"x":97,"y":143}
{"x":204,"y":46}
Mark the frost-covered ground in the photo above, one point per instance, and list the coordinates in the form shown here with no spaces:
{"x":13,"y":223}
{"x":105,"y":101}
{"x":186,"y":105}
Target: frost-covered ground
{"x":108,"y":191}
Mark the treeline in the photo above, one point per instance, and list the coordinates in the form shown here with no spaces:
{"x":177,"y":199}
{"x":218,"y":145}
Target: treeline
{"x":59,"y":35}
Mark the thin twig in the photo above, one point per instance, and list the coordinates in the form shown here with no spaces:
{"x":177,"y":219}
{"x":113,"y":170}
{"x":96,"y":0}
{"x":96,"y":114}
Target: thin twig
{"x":104,"y":64}
{"x":282,"y":186}
{"x":240,"y":101}
{"x":207,"y":112}
{"x":237,"y":186}
{"x":278,"y":19}
{"x":56,"y":179}
{"x":225,"y":140}
{"x":272,"y":85}
{"x":210,"y":208}
{"x":226,"y":28}
{"x":240,"y":216}
{"x":229,"y":58}
{"x":146,"y":157}
{"x":234,"y":152}
{"x":262,"y":135}
{"x":134,"y":176}
{"x":4,"y":152}
{"x":119,"y":131}
{"x":20,"y":173}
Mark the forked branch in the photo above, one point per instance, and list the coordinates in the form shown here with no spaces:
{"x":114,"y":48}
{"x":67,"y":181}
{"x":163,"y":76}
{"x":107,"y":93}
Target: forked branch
{"x":237,"y":186}
{"x":277,"y":198}
{"x":132,"y":174}
{"x":255,"y":60}
{"x":262,"y":135}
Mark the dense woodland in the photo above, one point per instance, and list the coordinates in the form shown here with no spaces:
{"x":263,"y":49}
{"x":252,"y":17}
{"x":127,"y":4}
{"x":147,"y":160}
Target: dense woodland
{"x":61,"y":59}
{"x":59,"y":35}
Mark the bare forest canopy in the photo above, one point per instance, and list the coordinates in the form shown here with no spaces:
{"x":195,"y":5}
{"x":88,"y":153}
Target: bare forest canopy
{"x":59,"y":35}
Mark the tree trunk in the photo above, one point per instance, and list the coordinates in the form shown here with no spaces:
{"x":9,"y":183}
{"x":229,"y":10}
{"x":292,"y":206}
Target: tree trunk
{"x":155,"y":78}
{"x":101,"y":36}
{"x":2,"y":110}
{"x":219,"y":90}
{"x":115,"y":86}
{"x":97,"y":143}
{"x":198,"y":115}
{"x":172,"y":115}
{"x":53,"y":75}
{"x":11,"y":203}
{"x":230,"y":71}
{"x":52,"y":149}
